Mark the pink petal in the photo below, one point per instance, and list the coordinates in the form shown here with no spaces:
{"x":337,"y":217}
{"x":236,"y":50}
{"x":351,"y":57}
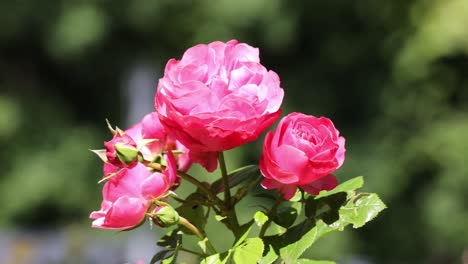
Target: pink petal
{"x":126,"y":212}
{"x":154,"y":186}
{"x":328,"y":182}
{"x":286,"y":190}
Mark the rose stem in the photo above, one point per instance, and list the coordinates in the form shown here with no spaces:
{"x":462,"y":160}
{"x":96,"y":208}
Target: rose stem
{"x":227,"y":189}
{"x":228,"y":205}
{"x":184,"y":222}
{"x":190,"y":179}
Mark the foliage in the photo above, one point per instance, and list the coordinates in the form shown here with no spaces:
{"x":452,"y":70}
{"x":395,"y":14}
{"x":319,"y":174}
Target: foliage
{"x":392,"y":74}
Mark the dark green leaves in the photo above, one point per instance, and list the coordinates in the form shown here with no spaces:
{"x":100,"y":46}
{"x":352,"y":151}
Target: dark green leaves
{"x":285,"y":216}
{"x":171,"y":242}
{"x":236,"y":177}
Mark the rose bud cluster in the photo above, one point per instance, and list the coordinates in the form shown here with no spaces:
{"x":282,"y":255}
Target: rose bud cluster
{"x":303,"y":152}
{"x":217,"y":97}
{"x":132,"y":187}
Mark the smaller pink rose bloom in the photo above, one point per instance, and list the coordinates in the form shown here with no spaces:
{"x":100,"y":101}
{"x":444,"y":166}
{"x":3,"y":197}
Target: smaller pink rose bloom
{"x":217,"y":97}
{"x":303,"y":152}
{"x":128,"y":195}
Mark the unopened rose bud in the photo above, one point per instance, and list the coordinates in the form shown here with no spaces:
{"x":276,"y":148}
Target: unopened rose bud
{"x":165,"y":216}
{"x":126,"y":153}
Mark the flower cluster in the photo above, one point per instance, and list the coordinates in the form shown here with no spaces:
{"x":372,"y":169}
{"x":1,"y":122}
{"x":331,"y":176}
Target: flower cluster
{"x":217,"y":97}
{"x":133,"y":188}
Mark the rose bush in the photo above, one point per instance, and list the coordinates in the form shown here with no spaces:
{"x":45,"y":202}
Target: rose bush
{"x":302,"y":152}
{"x":217,"y":97}
{"x":128,"y":195}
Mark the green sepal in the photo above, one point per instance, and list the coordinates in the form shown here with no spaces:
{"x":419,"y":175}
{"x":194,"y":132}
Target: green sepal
{"x":101,"y":153}
{"x":127,"y":154}
{"x":109,"y":126}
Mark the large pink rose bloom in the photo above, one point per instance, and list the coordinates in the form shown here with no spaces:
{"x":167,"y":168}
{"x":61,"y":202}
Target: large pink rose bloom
{"x":302,"y":152}
{"x":217,"y":97}
{"x":128,"y":195}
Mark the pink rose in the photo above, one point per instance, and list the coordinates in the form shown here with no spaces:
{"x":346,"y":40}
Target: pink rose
{"x":302,"y":152}
{"x":147,"y":138}
{"x":217,"y":97}
{"x":129,"y":194}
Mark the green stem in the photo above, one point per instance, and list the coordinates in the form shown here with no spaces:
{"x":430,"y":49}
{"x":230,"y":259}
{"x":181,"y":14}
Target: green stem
{"x":227,"y":190}
{"x":270,"y":214}
{"x":229,"y":206}
{"x":190,"y":179}
{"x":184,"y":222}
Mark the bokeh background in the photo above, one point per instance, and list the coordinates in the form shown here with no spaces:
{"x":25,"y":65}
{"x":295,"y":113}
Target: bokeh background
{"x":393,"y":75}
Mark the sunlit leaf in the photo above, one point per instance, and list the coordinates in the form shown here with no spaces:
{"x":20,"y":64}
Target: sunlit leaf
{"x":260,"y":218}
{"x":346,"y":186}
{"x":250,"y":251}
{"x":362,"y":211}
{"x":291,"y":253}
{"x":269,"y":257}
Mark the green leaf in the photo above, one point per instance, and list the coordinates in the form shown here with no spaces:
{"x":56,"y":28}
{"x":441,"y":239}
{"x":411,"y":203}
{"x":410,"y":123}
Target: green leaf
{"x":170,"y":239}
{"x":193,"y":211}
{"x":236,"y":177}
{"x":346,"y":186}
{"x":160,"y":255}
{"x":249,"y":252}
{"x":217,"y":258}
{"x":269,"y":257}
{"x":361,"y":211}
{"x":243,"y":237}
{"x":325,"y":208}
{"x":171,"y":259}
{"x":220,"y":217}
{"x":309,"y":261}
{"x":260,"y":218}
{"x":172,"y":242}
{"x":291,"y":253}
{"x":285,"y":216}
{"x":297,"y":196}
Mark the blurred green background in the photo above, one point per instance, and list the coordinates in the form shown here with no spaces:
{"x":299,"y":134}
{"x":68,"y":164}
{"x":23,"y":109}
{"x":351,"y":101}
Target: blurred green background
{"x":393,"y":75}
